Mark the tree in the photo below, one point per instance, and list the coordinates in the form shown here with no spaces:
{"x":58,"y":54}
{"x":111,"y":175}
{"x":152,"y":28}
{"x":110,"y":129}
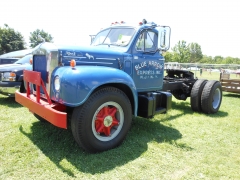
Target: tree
{"x":206,"y":59}
{"x":218,"y":59}
{"x":196,"y":52}
{"x":39,"y":36}
{"x":168,"y":56}
{"x":228,"y":60}
{"x":181,"y":52}
{"x":10,"y":40}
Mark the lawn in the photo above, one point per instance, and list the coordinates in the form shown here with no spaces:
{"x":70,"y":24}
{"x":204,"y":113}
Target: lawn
{"x":181,"y":144}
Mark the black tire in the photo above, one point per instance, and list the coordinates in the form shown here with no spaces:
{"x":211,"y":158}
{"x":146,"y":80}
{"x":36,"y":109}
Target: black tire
{"x":40,"y":118}
{"x":196,"y":94}
{"x":103,"y":121}
{"x":22,"y":88}
{"x":211,"y":97}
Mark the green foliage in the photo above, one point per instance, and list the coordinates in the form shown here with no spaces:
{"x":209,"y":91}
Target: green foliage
{"x":206,"y":60}
{"x":186,"y":53}
{"x":217,"y":59}
{"x":192,"y":53}
{"x":168,"y":56}
{"x":196,"y":52}
{"x":181,"y":52}
{"x":228,"y":60}
{"x":39,"y":36}
{"x":10,"y":40}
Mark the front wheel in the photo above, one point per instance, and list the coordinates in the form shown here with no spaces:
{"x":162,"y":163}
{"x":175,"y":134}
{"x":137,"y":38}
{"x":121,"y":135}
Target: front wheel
{"x":22,"y":87}
{"x":103,"y":121}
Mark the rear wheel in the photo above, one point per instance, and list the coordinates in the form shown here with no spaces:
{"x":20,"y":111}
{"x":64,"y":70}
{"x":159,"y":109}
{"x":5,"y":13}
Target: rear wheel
{"x":196,"y":94}
{"x":211,"y":97}
{"x":103,"y":121}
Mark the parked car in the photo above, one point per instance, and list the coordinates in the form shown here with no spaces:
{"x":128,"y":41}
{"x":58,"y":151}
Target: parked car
{"x":8,"y":60}
{"x":11,"y":76}
{"x":16,"y":54}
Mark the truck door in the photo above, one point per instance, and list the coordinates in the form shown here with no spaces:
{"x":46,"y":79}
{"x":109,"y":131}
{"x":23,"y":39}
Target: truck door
{"x":148,"y":64}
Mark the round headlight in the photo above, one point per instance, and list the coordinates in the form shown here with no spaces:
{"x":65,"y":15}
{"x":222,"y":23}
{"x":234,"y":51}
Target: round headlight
{"x":57,"y":83}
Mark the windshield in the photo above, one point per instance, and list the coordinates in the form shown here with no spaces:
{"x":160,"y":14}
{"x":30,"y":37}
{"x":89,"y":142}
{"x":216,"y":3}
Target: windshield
{"x":24,"y":60}
{"x":114,"y":36}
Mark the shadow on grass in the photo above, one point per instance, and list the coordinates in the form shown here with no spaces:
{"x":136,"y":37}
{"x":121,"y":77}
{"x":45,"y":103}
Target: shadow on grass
{"x":58,"y":144}
{"x":9,"y":101}
{"x":234,"y":95}
{"x":185,"y":108}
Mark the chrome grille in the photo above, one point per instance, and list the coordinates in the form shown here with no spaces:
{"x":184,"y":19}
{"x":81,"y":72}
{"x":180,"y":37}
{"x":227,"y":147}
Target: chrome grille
{"x":40,"y":65}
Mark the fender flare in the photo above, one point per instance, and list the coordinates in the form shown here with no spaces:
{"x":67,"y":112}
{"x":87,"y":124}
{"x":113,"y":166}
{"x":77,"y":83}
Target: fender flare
{"x":78,"y":83}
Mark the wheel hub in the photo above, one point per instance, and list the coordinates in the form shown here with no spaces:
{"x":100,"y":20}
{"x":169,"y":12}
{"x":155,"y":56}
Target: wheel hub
{"x":108,"y":121}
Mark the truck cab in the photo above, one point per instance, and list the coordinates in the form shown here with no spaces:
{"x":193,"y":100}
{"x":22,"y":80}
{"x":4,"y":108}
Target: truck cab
{"x":102,"y":85}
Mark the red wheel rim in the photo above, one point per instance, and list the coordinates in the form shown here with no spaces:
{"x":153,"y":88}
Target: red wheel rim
{"x":107,"y":121}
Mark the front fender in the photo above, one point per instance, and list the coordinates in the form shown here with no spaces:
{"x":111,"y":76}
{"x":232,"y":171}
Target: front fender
{"x":77,"y":84}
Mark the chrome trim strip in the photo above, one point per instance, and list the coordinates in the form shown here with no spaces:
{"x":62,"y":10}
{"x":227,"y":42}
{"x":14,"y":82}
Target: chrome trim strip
{"x":93,"y":62}
{"x":74,"y":57}
{"x":111,"y":59}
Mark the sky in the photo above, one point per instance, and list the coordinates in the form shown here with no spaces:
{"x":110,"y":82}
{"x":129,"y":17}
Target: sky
{"x":214,"y":25}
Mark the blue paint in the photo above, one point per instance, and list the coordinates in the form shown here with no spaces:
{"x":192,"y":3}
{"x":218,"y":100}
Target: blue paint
{"x":78,"y":83}
{"x":139,"y":67}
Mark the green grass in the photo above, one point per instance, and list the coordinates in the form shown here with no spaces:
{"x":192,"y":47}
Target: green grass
{"x":181,"y":144}
{"x":213,"y":75}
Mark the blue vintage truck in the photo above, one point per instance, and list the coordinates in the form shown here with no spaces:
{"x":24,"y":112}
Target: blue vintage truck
{"x":95,"y":90}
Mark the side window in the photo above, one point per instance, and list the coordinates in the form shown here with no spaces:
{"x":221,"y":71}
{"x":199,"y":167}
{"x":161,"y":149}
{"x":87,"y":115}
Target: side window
{"x":147,"y":41}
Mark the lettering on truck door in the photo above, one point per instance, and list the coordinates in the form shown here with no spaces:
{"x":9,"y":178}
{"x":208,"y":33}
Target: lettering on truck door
{"x":147,"y":62}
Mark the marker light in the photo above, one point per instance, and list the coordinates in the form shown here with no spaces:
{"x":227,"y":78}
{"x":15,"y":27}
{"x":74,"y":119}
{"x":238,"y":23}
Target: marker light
{"x":30,"y":61}
{"x":57,"y":83}
{"x":115,"y":23}
{"x":73,"y":63}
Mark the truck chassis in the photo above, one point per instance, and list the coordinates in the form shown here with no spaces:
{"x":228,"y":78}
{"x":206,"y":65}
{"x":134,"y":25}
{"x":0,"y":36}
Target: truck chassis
{"x":206,"y":96}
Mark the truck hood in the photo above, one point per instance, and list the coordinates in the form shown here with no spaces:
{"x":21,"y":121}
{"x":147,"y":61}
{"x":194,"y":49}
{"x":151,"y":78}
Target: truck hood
{"x":102,"y":55}
{"x":99,"y":50}
{"x":13,"y":67}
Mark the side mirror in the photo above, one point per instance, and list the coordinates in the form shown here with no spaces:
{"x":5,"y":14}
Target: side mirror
{"x":164,"y":37}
